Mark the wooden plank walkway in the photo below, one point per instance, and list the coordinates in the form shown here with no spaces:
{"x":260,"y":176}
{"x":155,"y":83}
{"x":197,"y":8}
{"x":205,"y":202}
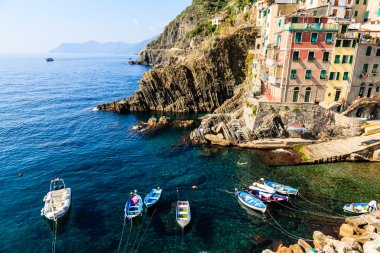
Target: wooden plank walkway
{"x":341,"y":147}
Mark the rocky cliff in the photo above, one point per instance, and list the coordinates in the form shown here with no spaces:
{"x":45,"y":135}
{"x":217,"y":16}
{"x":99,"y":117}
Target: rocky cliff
{"x":200,"y":82}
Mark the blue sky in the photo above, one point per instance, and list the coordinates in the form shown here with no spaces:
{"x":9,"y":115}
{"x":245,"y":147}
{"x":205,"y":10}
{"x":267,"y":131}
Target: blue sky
{"x":36,"y":26}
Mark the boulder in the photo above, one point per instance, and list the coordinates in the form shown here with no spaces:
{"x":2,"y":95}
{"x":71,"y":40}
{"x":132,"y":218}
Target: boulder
{"x":376,"y":155}
{"x":352,"y":244}
{"x":267,"y":251}
{"x":296,"y":248}
{"x":370,"y":229}
{"x":283,"y":249}
{"x":357,"y":222}
{"x":346,"y":230}
{"x":304,"y":245}
{"x":367,"y":236}
{"x":214,"y":139}
{"x":372,"y":246}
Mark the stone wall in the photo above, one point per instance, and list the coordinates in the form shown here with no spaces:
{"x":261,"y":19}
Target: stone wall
{"x":318,"y":120}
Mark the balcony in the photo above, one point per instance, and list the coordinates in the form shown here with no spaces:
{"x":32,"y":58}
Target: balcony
{"x":311,"y":27}
{"x":270,"y":62}
{"x":349,"y":35}
{"x":274,"y":80}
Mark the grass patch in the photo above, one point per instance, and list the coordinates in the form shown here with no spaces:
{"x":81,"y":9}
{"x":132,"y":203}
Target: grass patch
{"x":298,"y":149}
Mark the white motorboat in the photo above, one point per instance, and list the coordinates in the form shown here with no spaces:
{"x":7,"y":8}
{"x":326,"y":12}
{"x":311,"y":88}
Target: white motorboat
{"x":57,"y":200}
{"x":262,"y":187}
{"x":183,"y":214}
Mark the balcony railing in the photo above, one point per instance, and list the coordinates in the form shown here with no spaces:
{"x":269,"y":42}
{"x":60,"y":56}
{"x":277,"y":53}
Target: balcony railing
{"x":349,"y":35}
{"x":311,"y":27}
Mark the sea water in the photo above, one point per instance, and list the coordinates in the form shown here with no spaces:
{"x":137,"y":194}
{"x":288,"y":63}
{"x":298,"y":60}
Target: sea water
{"x":49,"y":129}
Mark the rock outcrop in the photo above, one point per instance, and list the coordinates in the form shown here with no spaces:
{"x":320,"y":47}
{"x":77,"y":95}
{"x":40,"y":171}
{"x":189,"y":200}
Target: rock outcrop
{"x":200,"y":83}
{"x":154,"y":124}
{"x":359,"y":234}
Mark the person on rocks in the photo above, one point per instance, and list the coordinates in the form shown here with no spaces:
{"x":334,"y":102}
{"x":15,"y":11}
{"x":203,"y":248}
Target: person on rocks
{"x":372,"y":206}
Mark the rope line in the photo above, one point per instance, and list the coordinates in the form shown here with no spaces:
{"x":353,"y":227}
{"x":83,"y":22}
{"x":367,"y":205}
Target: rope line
{"x":302,"y":197}
{"x":129,"y":235}
{"x":121,"y":237}
{"x":55,"y":228}
{"x":285,"y":231}
{"x":182,"y":238}
{"x":137,"y":236}
{"x":142,"y":237}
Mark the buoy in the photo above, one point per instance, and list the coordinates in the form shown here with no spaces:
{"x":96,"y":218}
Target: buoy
{"x":194,"y":187}
{"x":20,"y":174}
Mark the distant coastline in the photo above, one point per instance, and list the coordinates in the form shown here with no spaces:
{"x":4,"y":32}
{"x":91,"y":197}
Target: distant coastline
{"x":95,"y":47}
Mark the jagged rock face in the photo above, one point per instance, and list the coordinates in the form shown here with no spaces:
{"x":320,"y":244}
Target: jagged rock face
{"x":199,"y":84}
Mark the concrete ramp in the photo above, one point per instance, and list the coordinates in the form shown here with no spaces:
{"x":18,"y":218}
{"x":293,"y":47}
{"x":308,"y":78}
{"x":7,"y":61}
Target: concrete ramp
{"x":337,"y":150}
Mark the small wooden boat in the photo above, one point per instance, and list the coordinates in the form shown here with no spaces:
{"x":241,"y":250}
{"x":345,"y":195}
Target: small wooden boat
{"x":153,"y":197}
{"x":134,"y":206}
{"x":57,"y":200}
{"x":282,"y":189}
{"x":268,"y":197}
{"x":49,"y":59}
{"x":262,"y":187}
{"x":183,"y":214}
{"x":356,"y":208}
{"x":250,"y":201}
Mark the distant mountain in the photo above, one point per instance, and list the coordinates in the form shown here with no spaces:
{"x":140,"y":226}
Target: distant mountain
{"x":94,"y":47}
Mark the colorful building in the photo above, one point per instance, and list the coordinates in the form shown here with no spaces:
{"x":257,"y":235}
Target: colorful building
{"x":338,"y":85}
{"x":301,"y":69}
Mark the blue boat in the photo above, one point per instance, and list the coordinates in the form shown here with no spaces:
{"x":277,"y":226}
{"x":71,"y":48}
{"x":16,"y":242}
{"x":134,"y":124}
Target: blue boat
{"x":133,"y":207}
{"x":250,"y":201}
{"x":356,"y":208}
{"x":153,"y":197}
{"x":282,"y":189}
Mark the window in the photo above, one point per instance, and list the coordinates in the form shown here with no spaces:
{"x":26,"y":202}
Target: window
{"x":314,"y":38}
{"x":311,"y":56}
{"x":365,"y":68}
{"x":298,"y":38}
{"x":337,"y":95}
{"x":296,"y":55}
{"x":354,"y":43}
{"x":357,"y":1}
{"x":337,"y":59}
{"x":294,"y":19}
{"x":265,"y":13}
{"x":366,"y":14}
{"x":368,"y":51}
{"x":326,"y":56}
{"x":332,"y":76}
{"x":296,"y":93}
{"x":364,"y":2}
{"x":307,"y":94}
{"x":351,"y":59}
{"x":317,"y":20}
{"x":308,"y":74}
{"x":346,"y":43}
{"x":344,"y":29}
{"x":356,"y":14}
{"x":345,"y":59}
{"x":337,"y":76}
{"x":361,"y":90}
{"x":378,"y":52}
{"x":323,"y":74}
{"x":329,"y":38}
{"x":338,"y":43}
{"x":315,"y":13}
{"x":374,"y":68}
{"x":293,"y":74}
{"x":345,"y":76}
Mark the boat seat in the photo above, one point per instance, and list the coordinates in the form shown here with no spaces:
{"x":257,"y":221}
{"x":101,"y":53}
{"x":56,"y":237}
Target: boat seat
{"x":154,"y":198}
{"x":183,"y":206}
{"x":137,"y":211}
{"x":183,"y":218}
{"x":182,"y":212}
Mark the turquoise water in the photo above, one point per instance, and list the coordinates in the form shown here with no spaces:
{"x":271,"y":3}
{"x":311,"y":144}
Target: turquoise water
{"x":48,"y":130}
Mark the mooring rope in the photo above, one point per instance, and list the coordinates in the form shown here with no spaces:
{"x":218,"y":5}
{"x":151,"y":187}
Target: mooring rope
{"x":285,"y":231}
{"x":315,"y":204}
{"x":129,"y":235}
{"x":121,"y":237}
{"x":137,"y":236}
{"x":183,"y":230}
{"x":142,"y":237}
{"x":297,"y":209}
{"x":55,"y":228}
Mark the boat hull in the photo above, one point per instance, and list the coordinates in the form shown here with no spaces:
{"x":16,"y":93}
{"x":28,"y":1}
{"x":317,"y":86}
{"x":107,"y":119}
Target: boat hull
{"x":357,"y":208}
{"x":282,"y":189}
{"x":64,"y":205}
{"x":262,"y":187}
{"x":183,"y":213}
{"x":152,"y":198}
{"x":251,"y":202}
{"x":133,"y":207}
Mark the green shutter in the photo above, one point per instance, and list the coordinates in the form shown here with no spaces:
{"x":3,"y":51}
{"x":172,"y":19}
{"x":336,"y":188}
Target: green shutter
{"x":345,"y":76}
{"x":331,"y":76}
{"x":337,"y":59}
{"x":337,"y":75}
{"x":323,"y":74}
{"x":351,"y":58}
{"x":308,"y":74}
{"x":293,"y":74}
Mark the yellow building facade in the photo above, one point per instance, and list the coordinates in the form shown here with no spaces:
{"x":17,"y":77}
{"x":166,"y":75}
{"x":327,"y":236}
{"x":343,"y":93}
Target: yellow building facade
{"x":340,"y":71}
